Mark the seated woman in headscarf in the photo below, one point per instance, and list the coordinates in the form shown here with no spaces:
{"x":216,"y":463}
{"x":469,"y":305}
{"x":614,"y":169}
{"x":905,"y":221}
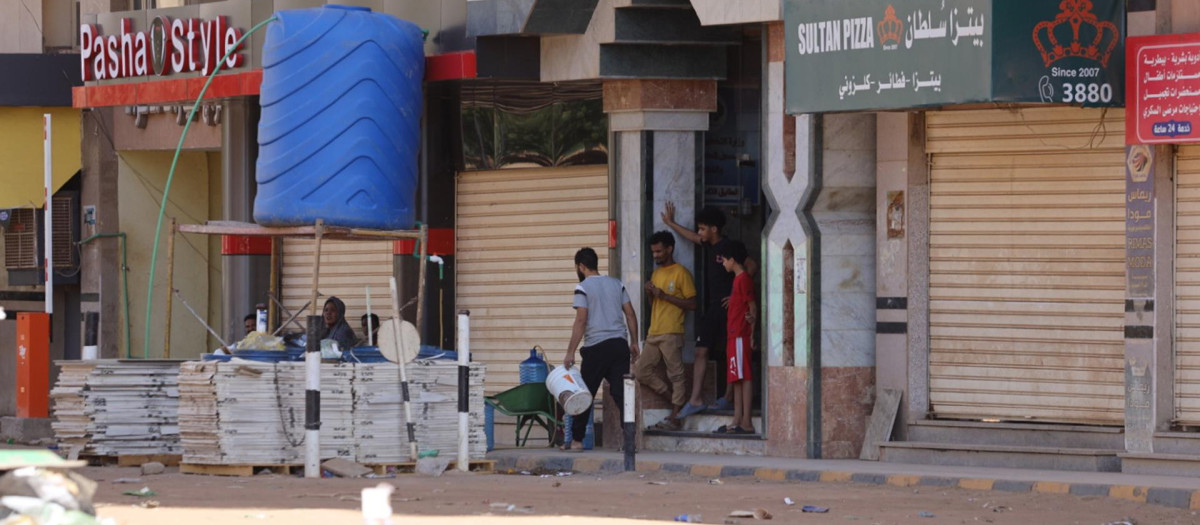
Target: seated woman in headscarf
{"x":336,"y":327}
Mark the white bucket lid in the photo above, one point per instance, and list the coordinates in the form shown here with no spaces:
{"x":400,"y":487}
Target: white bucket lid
{"x":575,"y":403}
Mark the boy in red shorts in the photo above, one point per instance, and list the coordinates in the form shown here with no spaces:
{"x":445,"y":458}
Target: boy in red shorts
{"x":739,"y":330}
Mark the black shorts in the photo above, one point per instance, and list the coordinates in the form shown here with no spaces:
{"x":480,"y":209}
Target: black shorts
{"x":710,"y":332}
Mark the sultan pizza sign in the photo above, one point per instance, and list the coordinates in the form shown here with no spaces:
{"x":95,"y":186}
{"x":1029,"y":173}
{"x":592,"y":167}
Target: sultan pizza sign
{"x":895,"y":54}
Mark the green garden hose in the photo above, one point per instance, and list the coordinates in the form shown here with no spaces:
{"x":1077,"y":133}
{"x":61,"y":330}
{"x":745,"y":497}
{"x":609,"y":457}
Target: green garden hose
{"x":171,"y":176}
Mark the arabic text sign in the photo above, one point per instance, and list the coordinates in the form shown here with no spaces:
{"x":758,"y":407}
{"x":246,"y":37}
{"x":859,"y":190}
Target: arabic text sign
{"x":1164,"y":95}
{"x":1139,"y":221}
{"x":939,"y":52}
{"x":722,"y":195}
{"x":877,"y":54}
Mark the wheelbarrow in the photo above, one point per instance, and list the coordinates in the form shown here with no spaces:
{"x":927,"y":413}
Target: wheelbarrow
{"x":530,"y":403}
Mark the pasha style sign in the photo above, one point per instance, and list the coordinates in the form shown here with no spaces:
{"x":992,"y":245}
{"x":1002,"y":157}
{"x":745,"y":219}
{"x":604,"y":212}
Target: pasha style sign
{"x":893,"y":54}
{"x":168,"y":46}
{"x":1163,"y":103}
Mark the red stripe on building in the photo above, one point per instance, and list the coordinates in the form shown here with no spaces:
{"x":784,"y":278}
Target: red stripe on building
{"x":450,"y":66}
{"x":245,"y":245}
{"x":441,"y":242}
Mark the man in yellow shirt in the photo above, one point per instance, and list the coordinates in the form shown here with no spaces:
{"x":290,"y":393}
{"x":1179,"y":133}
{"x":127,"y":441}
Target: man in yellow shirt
{"x":672,"y":291}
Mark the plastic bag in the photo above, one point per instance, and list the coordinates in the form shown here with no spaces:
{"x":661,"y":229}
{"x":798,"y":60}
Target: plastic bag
{"x":48,"y":497}
{"x":260,"y":341}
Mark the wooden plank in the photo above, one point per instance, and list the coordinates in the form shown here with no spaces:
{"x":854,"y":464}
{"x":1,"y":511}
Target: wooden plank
{"x":138,"y":460}
{"x":483,"y":466}
{"x":254,"y":230}
{"x":883,"y":420}
{"x":234,"y":470}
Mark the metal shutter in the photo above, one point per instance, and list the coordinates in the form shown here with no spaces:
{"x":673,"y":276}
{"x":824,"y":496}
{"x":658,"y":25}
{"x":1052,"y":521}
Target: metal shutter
{"x":1027,"y":274}
{"x":1187,"y":286}
{"x":347,"y":268}
{"x":518,"y":231}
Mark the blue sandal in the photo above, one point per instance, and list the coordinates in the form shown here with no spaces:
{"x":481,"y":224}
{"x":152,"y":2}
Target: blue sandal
{"x":721,"y":404}
{"x":690,"y":410}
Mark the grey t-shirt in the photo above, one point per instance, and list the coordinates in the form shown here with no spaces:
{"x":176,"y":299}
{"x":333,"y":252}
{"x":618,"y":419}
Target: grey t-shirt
{"x":604,"y":297}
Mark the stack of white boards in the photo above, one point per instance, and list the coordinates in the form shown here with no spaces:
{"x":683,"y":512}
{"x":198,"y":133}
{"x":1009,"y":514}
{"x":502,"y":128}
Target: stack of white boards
{"x":252,"y":413}
{"x":379,"y":427}
{"x":118,"y":407}
{"x":70,"y":421}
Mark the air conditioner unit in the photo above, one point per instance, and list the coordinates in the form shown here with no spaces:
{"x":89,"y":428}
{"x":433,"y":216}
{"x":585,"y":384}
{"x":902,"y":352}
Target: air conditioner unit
{"x":21,"y":240}
{"x":23,"y":248}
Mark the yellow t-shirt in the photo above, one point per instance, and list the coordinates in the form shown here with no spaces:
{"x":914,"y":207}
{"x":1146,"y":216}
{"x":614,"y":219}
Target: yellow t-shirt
{"x":676,"y":281}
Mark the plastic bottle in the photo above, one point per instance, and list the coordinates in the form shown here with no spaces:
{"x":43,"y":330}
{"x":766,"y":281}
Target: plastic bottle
{"x":260,"y":318}
{"x":690,"y":518}
{"x":533,"y":370}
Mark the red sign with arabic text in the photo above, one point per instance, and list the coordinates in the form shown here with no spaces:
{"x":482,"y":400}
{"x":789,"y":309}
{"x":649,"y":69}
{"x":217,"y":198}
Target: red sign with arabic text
{"x":1162,"y":103}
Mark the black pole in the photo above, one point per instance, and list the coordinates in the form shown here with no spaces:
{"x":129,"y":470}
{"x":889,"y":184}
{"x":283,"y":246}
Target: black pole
{"x":91,"y":325}
{"x":312,"y":398}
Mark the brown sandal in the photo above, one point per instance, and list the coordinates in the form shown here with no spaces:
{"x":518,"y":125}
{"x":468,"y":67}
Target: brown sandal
{"x":667,"y":424}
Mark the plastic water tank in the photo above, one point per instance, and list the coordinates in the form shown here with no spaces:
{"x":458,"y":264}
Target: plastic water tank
{"x":340,"y":126}
{"x":533,"y":370}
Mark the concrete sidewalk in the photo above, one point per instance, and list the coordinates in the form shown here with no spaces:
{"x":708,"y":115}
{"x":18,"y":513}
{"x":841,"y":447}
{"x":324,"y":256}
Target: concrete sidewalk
{"x":1170,"y":491}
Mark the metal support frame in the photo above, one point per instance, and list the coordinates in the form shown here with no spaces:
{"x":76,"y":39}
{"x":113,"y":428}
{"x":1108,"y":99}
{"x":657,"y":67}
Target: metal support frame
{"x":319,"y":231}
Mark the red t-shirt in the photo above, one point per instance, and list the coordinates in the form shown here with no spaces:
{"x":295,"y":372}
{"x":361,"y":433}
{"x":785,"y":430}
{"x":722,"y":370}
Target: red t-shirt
{"x":739,"y":303}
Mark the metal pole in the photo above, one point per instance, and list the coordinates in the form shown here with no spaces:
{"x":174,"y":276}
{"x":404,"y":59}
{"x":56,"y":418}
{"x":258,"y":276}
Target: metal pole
{"x":370,"y":324}
{"x":47,"y":166}
{"x":317,"y":265}
{"x":312,"y":397}
{"x":628,"y":416}
{"x":203,"y":322}
{"x":464,"y":389}
{"x":273,"y":287}
{"x":424,"y":242}
{"x":170,"y":286}
{"x":408,"y":420}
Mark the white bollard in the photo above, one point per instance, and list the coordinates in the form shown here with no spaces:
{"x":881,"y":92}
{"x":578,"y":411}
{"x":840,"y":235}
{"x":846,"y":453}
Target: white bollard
{"x":464,"y":390}
{"x":312,"y":400}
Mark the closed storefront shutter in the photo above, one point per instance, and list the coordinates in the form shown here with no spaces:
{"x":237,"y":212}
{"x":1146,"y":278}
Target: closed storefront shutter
{"x":1027,"y":265}
{"x":518,"y":231}
{"x":347,"y":269}
{"x":1187,"y":286}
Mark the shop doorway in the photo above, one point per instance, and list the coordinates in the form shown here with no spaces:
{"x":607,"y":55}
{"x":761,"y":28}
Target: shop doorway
{"x":731,"y":179}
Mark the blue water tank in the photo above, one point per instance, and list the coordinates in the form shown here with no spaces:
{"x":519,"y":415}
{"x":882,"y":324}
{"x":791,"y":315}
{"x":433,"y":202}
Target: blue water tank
{"x":534,"y":369}
{"x":340,"y":126}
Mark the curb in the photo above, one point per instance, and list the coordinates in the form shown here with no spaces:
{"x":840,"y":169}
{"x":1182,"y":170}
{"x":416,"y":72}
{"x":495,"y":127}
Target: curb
{"x":1167,"y":497}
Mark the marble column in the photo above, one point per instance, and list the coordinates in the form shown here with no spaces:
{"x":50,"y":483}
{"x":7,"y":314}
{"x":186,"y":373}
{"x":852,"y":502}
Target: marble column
{"x":845,"y":215}
{"x":902,"y":276}
{"x":656,"y":131}
{"x":787,"y":177}
{"x":1150,"y":308}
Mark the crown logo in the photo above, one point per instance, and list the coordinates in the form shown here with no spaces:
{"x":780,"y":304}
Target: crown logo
{"x":1076,"y":32}
{"x":890,"y":29}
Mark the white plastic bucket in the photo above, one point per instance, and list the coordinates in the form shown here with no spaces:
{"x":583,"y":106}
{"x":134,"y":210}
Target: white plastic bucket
{"x":568,"y":388}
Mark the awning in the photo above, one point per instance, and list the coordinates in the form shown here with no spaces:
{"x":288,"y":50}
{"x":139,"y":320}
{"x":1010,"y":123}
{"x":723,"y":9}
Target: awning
{"x":21,"y":172}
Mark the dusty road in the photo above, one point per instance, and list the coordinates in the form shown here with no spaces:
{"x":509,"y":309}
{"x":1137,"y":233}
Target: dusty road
{"x":452,"y":498}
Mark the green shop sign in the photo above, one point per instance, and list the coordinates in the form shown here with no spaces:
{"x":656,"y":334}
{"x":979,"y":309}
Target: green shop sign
{"x":895,"y":54}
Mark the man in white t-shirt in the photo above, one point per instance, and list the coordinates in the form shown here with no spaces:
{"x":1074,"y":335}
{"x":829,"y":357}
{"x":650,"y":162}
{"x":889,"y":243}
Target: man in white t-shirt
{"x":607,"y":325}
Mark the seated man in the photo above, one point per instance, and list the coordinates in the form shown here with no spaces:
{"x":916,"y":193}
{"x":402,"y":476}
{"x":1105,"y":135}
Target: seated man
{"x":373,"y":329}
